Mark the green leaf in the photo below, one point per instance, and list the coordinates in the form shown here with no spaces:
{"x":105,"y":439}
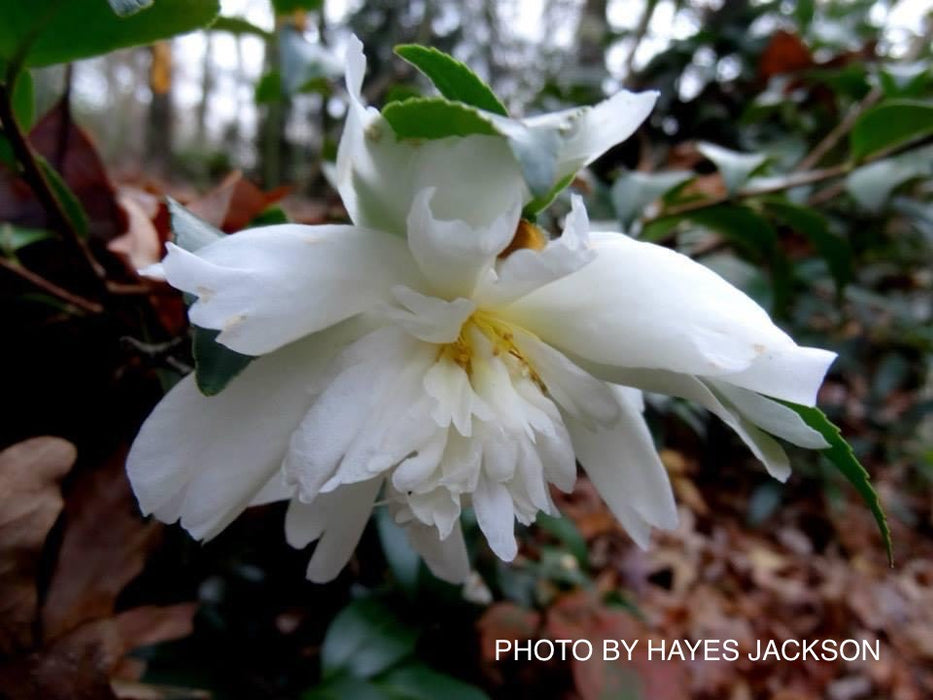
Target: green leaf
{"x":834,"y":249}
{"x":70,"y":203}
{"x":365,"y":639}
{"x":24,"y":101}
{"x":189,"y":231}
{"x":544,"y":201}
{"x":6,"y":152}
{"x":872,"y":184}
{"x":402,"y":558}
{"x":125,"y":8}
{"x":633,"y":191}
{"x":453,"y":79}
{"x":343,"y":687}
{"x":215,"y":365}
{"x":434,"y":118}
{"x":269,"y":88}
{"x":840,"y":454}
{"x":890,"y":124}
{"x":285,"y":7}
{"x":239,"y":27}
{"x":418,"y":682}
{"x":12,"y":238}
{"x":58,"y":31}
{"x":567,"y":533}
{"x":734,"y":167}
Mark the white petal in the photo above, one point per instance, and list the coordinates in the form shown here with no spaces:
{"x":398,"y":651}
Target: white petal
{"x":266,"y":287}
{"x":455,"y":401}
{"x":203,"y":459}
{"x":447,"y":559}
{"x":413,"y":472}
{"x":429,"y":318}
{"x":578,"y":393}
{"x":452,"y":254}
{"x":765,"y":448}
{"x":378,"y":174}
{"x":642,"y":305}
{"x":346,"y":513}
{"x":438,"y":508}
{"x":624,"y":466}
{"x":771,"y":416}
{"x":275,"y":489}
{"x":365,"y":388}
{"x":526,"y":270}
{"x":791,"y":373}
{"x":601,"y":127}
{"x":496,"y":517}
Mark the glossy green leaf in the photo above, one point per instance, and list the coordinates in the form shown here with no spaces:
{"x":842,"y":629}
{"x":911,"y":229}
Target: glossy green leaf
{"x":419,"y":682}
{"x":344,"y":687}
{"x":215,"y":365}
{"x":365,"y":639}
{"x":872,"y":184}
{"x":403,"y":560}
{"x":542,"y":202}
{"x":284,"y":7}
{"x":890,"y":124}
{"x":269,"y":88}
{"x":434,"y":118}
{"x":24,"y":101}
{"x":834,"y":249}
{"x":567,"y":533}
{"x":453,"y":79}
{"x":58,"y":31}
{"x":840,"y":454}
{"x":735,"y":167}
{"x":239,"y":27}
{"x":633,"y":191}
{"x":125,"y":8}
{"x":69,"y":202}
{"x":188,"y":230}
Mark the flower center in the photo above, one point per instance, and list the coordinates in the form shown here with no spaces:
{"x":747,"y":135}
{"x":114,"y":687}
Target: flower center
{"x":527,"y":235}
{"x":482,"y":324}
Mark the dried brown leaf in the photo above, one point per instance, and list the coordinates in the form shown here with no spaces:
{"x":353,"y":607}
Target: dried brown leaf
{"x":30,"y":502}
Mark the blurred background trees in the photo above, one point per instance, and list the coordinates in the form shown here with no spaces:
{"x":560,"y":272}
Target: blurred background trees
{"x":790,"y":151}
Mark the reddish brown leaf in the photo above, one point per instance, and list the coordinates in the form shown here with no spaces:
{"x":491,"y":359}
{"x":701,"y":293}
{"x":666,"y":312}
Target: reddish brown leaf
{"x":30,"y":502}
{"x":152,"y":624}
{"x":234,"y":202}
{"x":785,"y":53}
{"x":103,"y":549}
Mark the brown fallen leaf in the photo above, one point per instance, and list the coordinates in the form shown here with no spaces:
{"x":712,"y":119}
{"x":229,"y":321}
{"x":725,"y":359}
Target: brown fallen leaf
{"x":30,"y":502}
{"x":234,"y":202}
{"x":104,"y":548}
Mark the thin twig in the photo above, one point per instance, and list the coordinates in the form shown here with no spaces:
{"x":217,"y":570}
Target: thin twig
{"x":52,"y":288}
{"x":790,"y":181}
{"x":842,"y":128}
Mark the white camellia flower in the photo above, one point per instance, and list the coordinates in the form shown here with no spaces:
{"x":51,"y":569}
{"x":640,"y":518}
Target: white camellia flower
{"x":466,"y":363}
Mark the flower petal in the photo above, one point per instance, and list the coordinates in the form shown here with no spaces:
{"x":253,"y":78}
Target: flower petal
{"x":771,"y":416}
{"x":447,"y":559}
{"x":526,"y":270}
{"x":429,"y":318}
{"x":624,"y":466}
{"x":588,"y":132}
{"x":337,"y":519}
{"x":642,"y":305}
{"x":791,"y":373}
{"x":495,"y":514}
{"x":204,"y":459}
{"x":378,"y":175}
{"x":266,"y":287}
{"x":452,"y":254}
{"x":763,"y":446}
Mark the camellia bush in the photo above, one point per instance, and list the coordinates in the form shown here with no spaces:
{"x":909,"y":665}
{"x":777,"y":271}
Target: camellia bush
{"x":473,"y":383}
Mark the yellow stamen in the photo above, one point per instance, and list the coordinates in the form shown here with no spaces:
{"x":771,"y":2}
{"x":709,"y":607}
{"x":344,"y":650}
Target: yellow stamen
{"x":527,"y":235}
